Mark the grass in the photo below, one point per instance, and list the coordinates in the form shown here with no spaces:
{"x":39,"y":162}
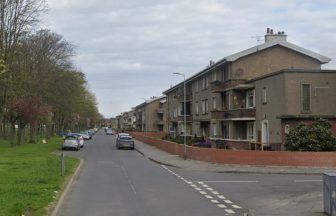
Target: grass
{"x":29,"y":176}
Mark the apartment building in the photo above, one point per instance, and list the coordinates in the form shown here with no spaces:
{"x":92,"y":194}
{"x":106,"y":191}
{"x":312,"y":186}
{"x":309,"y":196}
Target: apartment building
{"x":255,"y":95}
{"x":151,"y":115}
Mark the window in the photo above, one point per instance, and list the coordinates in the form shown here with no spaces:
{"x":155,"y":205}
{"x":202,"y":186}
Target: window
{"x":205,"y":106}
{"x":225,"y":131}
{"x":206,"y":81}
{"x":264,"y":95}
{"x":305,"y":97}
{"x":250,"y":99}
{"x":214,"y":128}
{"x":196,"y":86}
{"x":250,"y":131}
{"x":196,"y":108}
{"x":214,"y":76}
{"x":214,"y":103}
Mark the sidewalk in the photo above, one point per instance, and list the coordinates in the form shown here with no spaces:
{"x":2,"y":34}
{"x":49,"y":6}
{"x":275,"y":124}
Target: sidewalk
{"x":162,"y":157}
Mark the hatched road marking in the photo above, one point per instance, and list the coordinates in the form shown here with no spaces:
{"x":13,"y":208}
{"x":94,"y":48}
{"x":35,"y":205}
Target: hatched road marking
{"x":193,"y":184}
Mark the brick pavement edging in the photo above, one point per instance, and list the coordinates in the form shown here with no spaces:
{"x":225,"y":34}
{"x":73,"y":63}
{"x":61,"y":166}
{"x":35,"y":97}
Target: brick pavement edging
{"x":243,"y":157}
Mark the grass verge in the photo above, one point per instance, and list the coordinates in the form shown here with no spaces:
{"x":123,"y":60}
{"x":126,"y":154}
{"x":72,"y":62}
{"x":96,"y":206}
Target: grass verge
{"x":30,"y":177}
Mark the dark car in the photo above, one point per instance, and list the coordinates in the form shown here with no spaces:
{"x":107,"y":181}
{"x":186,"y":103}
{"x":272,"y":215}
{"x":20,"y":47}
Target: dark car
{"x":125,"y":141}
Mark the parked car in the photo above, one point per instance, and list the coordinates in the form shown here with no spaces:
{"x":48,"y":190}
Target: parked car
{"x":71,"y":142}
{"x":91,"y":133}
{"x":80,"y":139}
{"x":85,"y":135}
{"x":109,"y":131}
{"x":124,"y":141}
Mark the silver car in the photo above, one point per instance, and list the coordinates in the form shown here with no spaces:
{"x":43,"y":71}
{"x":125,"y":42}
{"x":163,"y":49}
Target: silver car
{"x":125,"y":141}
{"x":71,"y":142}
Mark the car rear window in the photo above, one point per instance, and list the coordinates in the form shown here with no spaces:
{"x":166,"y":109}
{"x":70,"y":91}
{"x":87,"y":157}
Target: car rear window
{"x":71,"y":138}
{"x":125,"y":138}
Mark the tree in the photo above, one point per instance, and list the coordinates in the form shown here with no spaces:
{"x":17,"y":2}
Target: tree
{"x":316,"y":137}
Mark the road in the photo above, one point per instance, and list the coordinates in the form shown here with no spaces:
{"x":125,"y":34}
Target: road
{"x":124,"y":183}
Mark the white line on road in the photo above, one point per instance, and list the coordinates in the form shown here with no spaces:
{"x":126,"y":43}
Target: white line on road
{"x":221,"y":197}
{"x":214,"y":201}
{"x":202,"y":192}
{"x":208,"y":196}
{"x":221,"y":205}
{"x":300,"y":181}
{"x":228,"y":201}
{"x":236,"y":206}
{"x":210,"y":189}
{"x":229,"y":182}
{"x":214,"y":192}
{"x":229,"y":211}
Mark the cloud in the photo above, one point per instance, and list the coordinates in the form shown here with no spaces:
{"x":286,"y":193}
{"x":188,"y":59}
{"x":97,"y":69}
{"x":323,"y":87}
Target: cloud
{"x":129,"y":49}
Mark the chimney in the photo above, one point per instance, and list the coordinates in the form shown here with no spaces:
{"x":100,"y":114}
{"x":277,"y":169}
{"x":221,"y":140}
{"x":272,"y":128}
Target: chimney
{"x":271,"y":36}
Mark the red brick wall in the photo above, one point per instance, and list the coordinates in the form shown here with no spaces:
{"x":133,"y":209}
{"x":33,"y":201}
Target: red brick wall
{"x":243,"y":157}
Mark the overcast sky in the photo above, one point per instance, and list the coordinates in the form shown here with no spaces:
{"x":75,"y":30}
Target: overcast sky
{"x":129,"y":49}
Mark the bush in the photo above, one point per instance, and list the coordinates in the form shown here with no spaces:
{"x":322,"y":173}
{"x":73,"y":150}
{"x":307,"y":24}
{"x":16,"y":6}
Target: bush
{"x":317,"y":137}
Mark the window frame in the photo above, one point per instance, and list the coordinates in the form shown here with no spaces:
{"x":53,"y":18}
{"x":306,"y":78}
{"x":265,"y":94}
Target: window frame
{"x":248,"y":99}
{"x":309,"y":98}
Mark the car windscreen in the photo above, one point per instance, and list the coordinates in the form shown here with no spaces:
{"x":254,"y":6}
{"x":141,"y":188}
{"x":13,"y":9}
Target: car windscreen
{"x":71,"y":138}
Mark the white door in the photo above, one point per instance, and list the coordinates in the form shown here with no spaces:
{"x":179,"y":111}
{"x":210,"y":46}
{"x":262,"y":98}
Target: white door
{"x":265,"y":132}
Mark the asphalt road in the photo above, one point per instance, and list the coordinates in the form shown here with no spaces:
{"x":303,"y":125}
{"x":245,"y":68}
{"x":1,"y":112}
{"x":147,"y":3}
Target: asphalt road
{"x":124,"y":183}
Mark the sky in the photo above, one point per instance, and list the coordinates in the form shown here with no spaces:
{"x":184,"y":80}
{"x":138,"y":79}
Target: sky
{"x":129,"y":49}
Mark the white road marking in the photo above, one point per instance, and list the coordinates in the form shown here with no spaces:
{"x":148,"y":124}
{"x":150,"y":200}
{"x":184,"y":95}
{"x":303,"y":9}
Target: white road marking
{"x":221,"y":205}
{"x":231,"y":181}
{"x":229,"y":211}
{"x":301,"y":181}
{"x":221,"y":197}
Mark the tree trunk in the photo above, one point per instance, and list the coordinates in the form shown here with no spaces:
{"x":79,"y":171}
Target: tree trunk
{"x":20,"y":134}
{"x":12,"y":135}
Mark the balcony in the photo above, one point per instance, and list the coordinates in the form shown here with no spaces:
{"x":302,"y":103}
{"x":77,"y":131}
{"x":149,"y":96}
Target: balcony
{"x":181,"y":119}
{"x":160,"y":122}
{"x":238,"y":114}
{"x":181,"y":97}
{"x":160,"y":111}
{"x":222,"y":86}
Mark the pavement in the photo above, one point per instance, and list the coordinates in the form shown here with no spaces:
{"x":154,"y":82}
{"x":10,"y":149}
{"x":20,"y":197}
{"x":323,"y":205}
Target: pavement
{"x":125,"y":183}
{"x":167,"y":159}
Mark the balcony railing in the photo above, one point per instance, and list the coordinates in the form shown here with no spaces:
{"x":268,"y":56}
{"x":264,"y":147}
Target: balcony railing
{"x":160,"y":122}
{"x":160,"y":111}
{"x":221,"y":86}
{"x":180,"y":97}
{"x":232,"y":114}
{"x":181,"y":119}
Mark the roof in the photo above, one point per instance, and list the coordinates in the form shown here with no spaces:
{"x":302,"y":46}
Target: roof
{"x":291,"y":71}
{"x":238,"y":55}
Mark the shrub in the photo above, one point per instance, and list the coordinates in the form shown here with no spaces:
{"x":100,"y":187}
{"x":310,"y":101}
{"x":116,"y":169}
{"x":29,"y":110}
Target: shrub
{"x":316,"y":137}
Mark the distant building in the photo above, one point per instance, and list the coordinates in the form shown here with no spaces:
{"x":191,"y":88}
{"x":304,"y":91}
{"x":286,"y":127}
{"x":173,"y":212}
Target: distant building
{"x":151,"y":115}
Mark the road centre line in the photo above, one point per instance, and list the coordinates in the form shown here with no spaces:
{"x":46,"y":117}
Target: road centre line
{"x":301,"y":181}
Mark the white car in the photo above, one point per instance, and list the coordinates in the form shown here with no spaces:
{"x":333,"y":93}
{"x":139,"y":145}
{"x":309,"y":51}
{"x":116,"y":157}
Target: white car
{"x":71,"y":142}
{"x":85,"y":135}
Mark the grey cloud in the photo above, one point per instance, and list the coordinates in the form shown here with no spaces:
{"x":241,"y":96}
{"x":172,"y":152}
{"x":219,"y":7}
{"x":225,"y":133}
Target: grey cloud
{"x":129,"y":49}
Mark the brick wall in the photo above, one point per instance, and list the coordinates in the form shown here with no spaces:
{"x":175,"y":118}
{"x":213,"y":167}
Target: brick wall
{"x":243,"y":157}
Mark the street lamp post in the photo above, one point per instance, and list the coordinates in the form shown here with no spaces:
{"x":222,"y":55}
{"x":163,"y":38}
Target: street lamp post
{"x":184,"y":115}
